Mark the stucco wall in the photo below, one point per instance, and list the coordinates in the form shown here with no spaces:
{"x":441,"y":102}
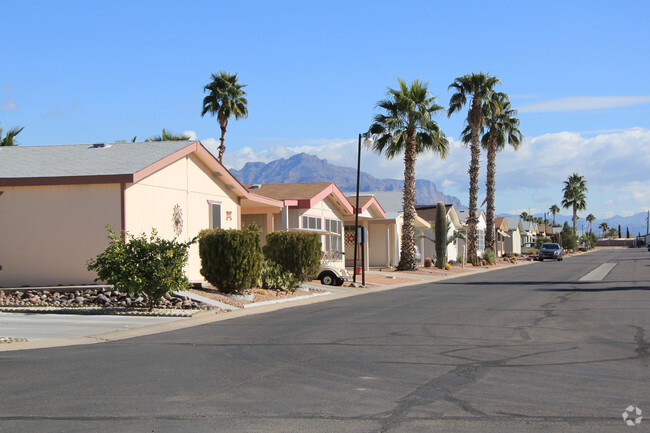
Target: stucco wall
{"x":189,"y":184}
{"x":47,"y":233}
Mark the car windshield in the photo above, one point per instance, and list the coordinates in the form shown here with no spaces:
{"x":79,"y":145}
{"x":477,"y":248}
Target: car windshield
{"x":551,"y":246}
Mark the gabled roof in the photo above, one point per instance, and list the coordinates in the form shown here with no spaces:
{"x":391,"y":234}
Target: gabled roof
{"x":501,"y":224}
{"x":428,"y":213}
{"x":366,"y":203}
{"x":303,"y":195}
{"x":514,"y":223}
{"x":103,"y":163}
{"x":464,"y":214}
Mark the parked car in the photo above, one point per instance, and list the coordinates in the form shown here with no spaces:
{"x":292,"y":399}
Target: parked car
{"x":550,"y":251}
{"x":528,"y":248}
{"x":331,"y":275}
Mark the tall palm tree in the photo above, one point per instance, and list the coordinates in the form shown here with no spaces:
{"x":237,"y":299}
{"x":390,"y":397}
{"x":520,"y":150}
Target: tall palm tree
{"x":575,"y":196}
{"x":226,"y":98}
{"x":555,"y":209}
{"x":477,"y":87}
{"x":502,"y":128}
{"x":604,"y":227}
{"x":168,"y":136}
{"x":10,"y":137}
{"x":591,"y":218}
{"x":524,"y":216}
{"x":407,"y":126}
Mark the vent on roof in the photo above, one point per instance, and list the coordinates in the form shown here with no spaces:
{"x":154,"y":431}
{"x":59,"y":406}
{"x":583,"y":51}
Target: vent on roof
{"x":100,"y":145}
{"x":255,"y":186}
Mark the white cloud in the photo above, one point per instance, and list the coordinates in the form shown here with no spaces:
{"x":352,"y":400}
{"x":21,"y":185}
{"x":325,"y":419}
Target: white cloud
{"x":582,"y":103}
{"x":9,"y":105}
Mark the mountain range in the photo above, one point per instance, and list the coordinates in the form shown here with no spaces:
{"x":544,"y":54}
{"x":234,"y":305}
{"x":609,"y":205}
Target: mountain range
{"x":303,"y":167}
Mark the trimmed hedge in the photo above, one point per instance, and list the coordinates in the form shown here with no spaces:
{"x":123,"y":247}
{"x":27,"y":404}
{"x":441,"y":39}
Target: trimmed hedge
{"x":298,"y":253}
{"x":231,"y":259}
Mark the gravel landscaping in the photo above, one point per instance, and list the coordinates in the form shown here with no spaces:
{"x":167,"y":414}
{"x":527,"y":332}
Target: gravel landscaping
{"x":94,"y":301}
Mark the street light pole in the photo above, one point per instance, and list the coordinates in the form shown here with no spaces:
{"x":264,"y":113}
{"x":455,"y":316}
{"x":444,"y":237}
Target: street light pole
{"x":367,"y":141}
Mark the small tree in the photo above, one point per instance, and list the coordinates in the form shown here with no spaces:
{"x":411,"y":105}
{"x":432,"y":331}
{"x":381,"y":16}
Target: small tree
{"x":569,"y":241}
{"x":137,"y":264}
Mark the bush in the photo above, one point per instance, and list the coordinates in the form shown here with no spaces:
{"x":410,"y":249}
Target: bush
{"x":272,"y":277}
{"x":137,"y":264}
{"x":590,"y":240}
{"x":541,"y":241}
{"x":489,"y":256}
{"x":298,"y":253}
{"x":231,"y":259}
{"x":569,"y":241}
{"x":428,"y":262}
{"x":447,"y":267}
{"x":460,"y":258}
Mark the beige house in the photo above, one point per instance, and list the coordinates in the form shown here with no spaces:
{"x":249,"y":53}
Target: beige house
{"x":515,"y":230}
{"x":385,"y":234}
{"x":55,"y":202}
{"x":318,"y":207}
{"x":501,"y":233}
{"x":428,"y":213}
{"x":369,"y":210}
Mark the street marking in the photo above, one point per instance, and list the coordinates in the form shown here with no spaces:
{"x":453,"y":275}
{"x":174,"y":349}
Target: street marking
{"x":599,"y":273}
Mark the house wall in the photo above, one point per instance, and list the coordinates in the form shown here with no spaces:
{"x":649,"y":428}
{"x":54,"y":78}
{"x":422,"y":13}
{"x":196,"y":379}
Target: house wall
{"x":513,"y":243}
{"x":323,"y":210}
{"x":381,"y":236}
{"x":47,"y":233}
{"x":190,"y":185}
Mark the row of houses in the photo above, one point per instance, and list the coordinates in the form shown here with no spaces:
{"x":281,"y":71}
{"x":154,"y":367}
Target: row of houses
{"x":56,"y":201}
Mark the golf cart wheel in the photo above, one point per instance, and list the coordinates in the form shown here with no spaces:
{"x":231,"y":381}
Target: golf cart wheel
{"x":328,"y":278}
{"x":339,"y":281}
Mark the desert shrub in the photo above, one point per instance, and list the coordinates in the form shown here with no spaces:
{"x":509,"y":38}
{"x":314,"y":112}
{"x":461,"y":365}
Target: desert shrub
{"x":262,"y":292}
{"x":460,"y":258}
{"x":231,"y":259}
{"x":273,"y":277}
{"x":428,"y":262}
{"x":541,"y":241}
{"x":141,"y":264}
{"x":489,"y":256}
{"x":590,"y":240}
{"x":447,"y":267}
{"x":569,"y":241}
{"x":298,"y":253}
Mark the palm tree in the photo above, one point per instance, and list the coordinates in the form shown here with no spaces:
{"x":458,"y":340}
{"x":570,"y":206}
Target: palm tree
{"x":479,"y":88}
{"x":226,"y":98}
{"x":575,"y":196}
{"x":524,"y":216}
{"x":168,"y":136}
{"x":591,"y":218}
{"x":555,"y":209}
{"x":10,"y":137}
{"x":407,"y":126}
{"x":502,"y":128}
{"x":604,"y":227}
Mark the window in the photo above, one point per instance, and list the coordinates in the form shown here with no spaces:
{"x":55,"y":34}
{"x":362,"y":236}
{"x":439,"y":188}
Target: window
{"x":309,"y":222}
{"x":215,"y":215}
{"x":481,"y":239}
{"x":334,"y":243}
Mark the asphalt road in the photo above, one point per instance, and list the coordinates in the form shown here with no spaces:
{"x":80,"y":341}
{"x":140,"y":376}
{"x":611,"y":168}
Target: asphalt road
{"x":526,"y":349}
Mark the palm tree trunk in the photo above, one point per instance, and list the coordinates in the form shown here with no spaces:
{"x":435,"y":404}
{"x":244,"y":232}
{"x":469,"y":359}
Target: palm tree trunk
{"x":222,"y":146}
{"x":472,"y":220}
{"x":575,"y":220}
{"x":407,"y":255}
{"x":490,"y":191}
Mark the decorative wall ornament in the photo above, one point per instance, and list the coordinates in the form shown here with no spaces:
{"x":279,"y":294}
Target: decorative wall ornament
{"x":177,"y":219}
{"x":229,"y":215}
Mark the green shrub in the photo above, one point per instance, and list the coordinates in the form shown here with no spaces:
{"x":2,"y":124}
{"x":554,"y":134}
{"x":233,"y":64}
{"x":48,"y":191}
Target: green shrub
{"x":541,"y":241}
{"x":590,"y":240}
{"x":272,"y":277}
{"x":568,"y":240}
{"x":231,"y":259}
{"x":137,"y":264}
{"x":441,"y":235}
{"x":298,"y":253}
{"x":489,"y":256}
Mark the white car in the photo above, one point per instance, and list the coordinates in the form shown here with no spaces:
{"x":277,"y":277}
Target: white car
{"x":332,"y":275}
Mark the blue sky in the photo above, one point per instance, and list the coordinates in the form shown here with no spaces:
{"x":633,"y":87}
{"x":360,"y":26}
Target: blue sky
{"x":85,"y":72}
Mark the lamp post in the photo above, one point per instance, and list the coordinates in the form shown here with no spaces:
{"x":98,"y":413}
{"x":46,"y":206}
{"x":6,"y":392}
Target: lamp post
{"x":368,"y":142}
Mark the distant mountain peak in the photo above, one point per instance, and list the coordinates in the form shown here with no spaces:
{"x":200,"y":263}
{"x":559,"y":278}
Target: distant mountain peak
{"x":304,"y":167}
